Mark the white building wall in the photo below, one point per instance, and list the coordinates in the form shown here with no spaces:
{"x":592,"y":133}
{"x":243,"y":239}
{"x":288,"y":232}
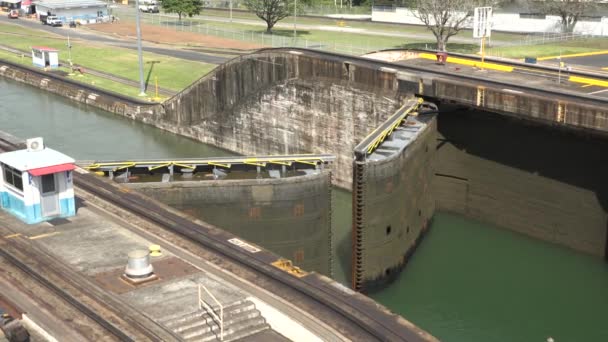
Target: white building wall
{"x":38,"y":61}
{"x":31,"y":195}
{"x":64,"y":181}
{"x":507,"y":22}
{"x":53,"y":58}
{"x":72,"y":14}
{"x":2,"y":188}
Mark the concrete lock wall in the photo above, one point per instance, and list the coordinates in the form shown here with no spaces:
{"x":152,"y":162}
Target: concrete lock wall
{"x":532,"y":179}
{"x":392,"y":205}
{"x":288,"y":216}
{"x":278,"y":103}
{"x":562,"y":111}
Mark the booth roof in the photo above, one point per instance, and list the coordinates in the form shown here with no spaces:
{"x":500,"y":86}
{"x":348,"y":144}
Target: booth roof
{"x":57,"y":4}
{"x":44,"y":48}
{"x":25,"y":160}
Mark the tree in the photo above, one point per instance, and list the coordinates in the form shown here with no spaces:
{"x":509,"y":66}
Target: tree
{"x":445,"y":18}
{"x":182,"y":7}
{"x":271,"y":11}
{"x":569,"y":11}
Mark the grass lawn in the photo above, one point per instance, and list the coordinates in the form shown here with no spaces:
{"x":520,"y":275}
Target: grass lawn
{"x":369,"y":25}
{"x":86,"y":78}
{"x":371,"y":42}
{"x":224,"y":29}
{"x":172,"y":73}
{"x":554,"y":49}
{"x":368,"y":42}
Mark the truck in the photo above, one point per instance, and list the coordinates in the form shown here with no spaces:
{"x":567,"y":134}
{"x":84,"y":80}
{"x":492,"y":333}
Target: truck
{"x":50,"y":19}
{"x":148,"y":6}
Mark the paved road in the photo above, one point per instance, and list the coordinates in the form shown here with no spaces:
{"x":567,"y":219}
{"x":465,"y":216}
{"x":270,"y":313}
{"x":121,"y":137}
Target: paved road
{"x":595,"y":61}
{"x":129,"y":44}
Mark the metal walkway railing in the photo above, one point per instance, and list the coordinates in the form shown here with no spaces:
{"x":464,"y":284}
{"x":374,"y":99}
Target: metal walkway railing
{"x":201,"y":303}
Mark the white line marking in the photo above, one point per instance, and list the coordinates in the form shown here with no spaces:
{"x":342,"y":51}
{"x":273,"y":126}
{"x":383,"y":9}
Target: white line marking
{"x":244,"y":245}
{"x":597,"y":92}
{"x":512,"y":91}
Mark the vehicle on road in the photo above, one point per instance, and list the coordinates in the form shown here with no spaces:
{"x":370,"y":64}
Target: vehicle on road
{"x":13,"y":14}
{"x":51,"y":20}
{"x":148,"y":6}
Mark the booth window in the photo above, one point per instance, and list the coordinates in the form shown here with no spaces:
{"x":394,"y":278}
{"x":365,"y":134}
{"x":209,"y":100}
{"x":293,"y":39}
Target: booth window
{"x":12,"y":176}
{"x":38,"y":54}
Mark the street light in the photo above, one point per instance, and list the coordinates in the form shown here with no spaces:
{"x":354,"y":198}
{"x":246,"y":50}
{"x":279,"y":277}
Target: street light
{"x":295,"y":18}
{"x":142,"y":89}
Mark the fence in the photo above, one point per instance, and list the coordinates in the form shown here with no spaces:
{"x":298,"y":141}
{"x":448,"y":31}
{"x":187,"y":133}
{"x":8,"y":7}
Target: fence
{"x":339,"y":7}
{"x":257,"y":37}
{"x":548,"y":38}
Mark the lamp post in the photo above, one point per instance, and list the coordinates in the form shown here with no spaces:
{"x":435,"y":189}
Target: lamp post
{"x":142,"y":88}
{"x":69,"y":51}
{"x":231,"y":11}
{"x":295,"y":18}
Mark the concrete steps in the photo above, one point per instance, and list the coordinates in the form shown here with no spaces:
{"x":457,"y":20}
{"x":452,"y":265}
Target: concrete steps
{"x":241,"y":319}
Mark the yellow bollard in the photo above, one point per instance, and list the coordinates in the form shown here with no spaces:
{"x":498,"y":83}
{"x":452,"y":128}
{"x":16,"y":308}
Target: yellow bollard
{"x":155,"y":250}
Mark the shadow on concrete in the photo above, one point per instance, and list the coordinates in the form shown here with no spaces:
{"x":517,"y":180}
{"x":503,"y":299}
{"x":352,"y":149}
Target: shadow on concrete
{"x":575,"y":158}
{"x":79,"y":203}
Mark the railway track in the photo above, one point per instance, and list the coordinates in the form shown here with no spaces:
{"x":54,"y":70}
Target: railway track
{"x":119,"y":320}
{"x":259,"y":262}
{"x":340,"y":301}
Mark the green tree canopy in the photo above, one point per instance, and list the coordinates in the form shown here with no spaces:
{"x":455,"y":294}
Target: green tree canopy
{"x":444,"y":18}
{"x":271,"y":11}
{"x":182,"y":7}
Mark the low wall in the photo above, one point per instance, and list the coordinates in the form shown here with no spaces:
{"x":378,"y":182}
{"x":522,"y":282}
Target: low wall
{"x":528,"y":178}
{"x":392,"y":205}
{"x":288,"y":216}
{"x":555,"y":110}
{"x":114,"y":103}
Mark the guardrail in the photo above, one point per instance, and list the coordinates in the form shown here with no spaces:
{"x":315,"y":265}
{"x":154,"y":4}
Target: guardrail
{"x":299,"y":161}
{"x":202,"y":303}
{"x":375,"y":138}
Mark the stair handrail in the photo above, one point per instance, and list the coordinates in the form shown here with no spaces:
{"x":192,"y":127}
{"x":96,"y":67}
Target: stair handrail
{"x":202,"y":303}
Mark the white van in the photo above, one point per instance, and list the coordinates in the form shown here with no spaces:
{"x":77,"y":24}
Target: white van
{"x":148,"y":6}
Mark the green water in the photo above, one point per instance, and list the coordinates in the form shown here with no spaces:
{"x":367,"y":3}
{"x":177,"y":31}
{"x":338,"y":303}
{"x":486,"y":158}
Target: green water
{"x":466,"y":281}
{"x":473,"y":282}
{"x":86,"y":133}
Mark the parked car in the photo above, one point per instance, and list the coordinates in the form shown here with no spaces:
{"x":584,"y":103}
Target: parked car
{"x":13,"y":14}
{"x":52,"y":20}
{"x":148,"y":6}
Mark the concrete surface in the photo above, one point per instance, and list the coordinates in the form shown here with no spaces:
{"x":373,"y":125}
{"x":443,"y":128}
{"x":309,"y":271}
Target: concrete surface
{"x":289,"y":216}
{"x":393,"y":202}
{"x":95,"y":244}
{"x":528,"y":178}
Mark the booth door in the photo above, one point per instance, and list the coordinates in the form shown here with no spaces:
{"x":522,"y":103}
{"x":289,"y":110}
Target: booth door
{"x":49,"y":195}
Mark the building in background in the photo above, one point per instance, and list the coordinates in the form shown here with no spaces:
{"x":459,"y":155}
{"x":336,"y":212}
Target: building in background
{"x":36,"y":183}
{"x":80,"y":11}
{"x":7,"y":5}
